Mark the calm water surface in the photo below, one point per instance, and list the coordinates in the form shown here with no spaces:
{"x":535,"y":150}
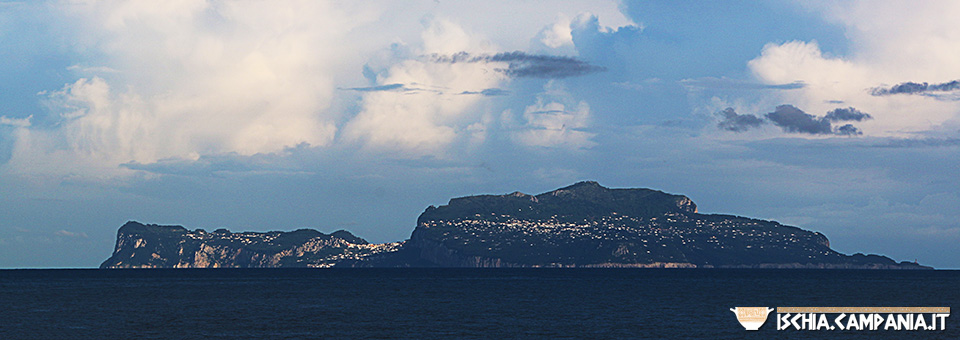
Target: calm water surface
{"x":447,"y":303}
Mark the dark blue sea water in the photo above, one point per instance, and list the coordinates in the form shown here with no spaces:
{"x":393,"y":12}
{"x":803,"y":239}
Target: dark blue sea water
{"x":447,"y":303}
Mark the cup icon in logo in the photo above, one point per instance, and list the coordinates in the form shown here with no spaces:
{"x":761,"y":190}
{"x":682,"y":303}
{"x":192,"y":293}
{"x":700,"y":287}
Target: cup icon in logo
{"x":751,"y":318}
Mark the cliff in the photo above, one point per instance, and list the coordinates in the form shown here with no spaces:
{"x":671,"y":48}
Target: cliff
{"x":155,"y":246}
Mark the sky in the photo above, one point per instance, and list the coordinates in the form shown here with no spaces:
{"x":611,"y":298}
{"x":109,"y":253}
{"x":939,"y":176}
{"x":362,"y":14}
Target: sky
{"x":837,"y":117}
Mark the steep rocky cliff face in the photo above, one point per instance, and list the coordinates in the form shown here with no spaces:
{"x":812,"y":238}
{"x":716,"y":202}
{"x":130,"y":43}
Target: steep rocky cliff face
{"x":154,"y":246}
{"x":588,"y":225}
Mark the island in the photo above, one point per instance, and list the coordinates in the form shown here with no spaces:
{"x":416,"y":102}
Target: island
{"x":582,"y":225}
{"x":158,"y":246}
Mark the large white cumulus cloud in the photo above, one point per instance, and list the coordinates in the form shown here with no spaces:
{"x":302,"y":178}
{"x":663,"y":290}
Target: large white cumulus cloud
{"x":891,"y":43}
{"x":430,"y":116}
{"x":189,"y":78}
{"x":186,"y":78}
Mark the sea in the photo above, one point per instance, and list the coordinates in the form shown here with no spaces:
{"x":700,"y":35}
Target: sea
{"x":449,"y":303}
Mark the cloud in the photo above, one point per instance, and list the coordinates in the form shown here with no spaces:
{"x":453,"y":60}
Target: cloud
{"x":212,"y":165}
{"x":732,"y":84}
{"x":848,"y":130}
{"x":916,"y":88}
{"x":492,"y":92}
{"x":556,"y":120}
{"x":64,"y":233}
{"x":149,"y":84}
{"x":731,"y":121}
{"x":413,"y":126}
{"x":554,"y":125}
{"x":91,"y":69}
{"x":523,"y":65}
{"x":921,"y":45}
{"x":388,"y":87}
{"x":187,"y":78}
{"x":556,"y":35}
{"x":847,"y":114}
{"x":412,"y":88}
{"x":918,"y":143}
{"x":791,"y":119}
{"x":16,"y":122}
{"x":543,"y":66}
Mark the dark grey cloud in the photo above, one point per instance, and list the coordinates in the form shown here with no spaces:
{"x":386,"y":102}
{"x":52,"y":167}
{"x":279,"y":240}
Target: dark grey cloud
{"x":548,"y":112}
{"x":791,"y":119}
{"x":848,"y":130}
{"x":847,"y":114}
{"x":524,"y":65}
{"x":388,"y":87}
{"x":494,"y":92}
{"x":737,"y":122}
{"x":916,"y":88}
{"x":410,"y":88}
{"x":732,"y":84}
{"x":491,"y":92}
